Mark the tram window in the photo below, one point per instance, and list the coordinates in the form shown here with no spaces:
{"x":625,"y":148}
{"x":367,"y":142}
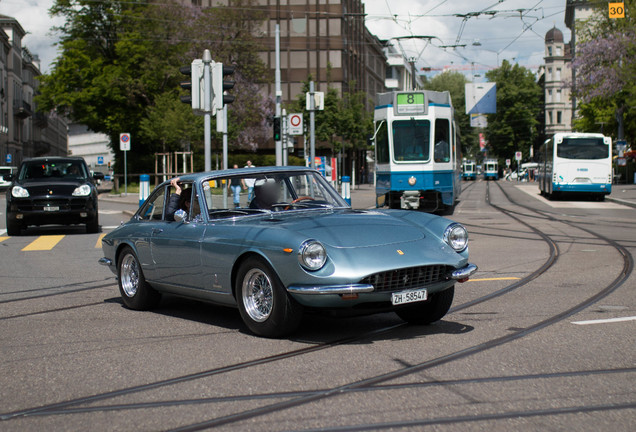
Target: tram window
{"x":411,"y":140}
{"x":382,"y":144}
{"x":442,"y":142}
{"x":583,"y":148}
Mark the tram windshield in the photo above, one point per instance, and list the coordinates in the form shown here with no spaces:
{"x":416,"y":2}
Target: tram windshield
{"x":582,"y":148}
{"x":411,"y":140}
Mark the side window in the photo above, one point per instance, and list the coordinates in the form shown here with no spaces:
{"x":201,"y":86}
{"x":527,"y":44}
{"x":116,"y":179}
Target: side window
{"x":382,"y":144}
{"x":442,"y":141}
{"x":153,"y":209}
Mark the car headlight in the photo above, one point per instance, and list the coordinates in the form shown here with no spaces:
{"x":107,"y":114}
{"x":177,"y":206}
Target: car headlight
{"x":19,"y":192}
{"x":312,"y":255}
{"x":83,"y":190}
{"x":456,"y":236}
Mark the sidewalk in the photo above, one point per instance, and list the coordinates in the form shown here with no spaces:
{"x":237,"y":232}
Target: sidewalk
{"x":623,"y":194}
{"x":363,"y":197}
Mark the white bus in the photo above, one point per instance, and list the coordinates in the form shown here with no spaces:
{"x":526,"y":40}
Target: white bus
{"x":576,"y":163}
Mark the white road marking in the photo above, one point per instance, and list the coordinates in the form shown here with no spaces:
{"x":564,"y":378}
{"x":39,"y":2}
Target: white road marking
{"x":109,"y":212}
{"x":110,"y":227}
{"x":533,"y":191}
{"x":605,"y":321}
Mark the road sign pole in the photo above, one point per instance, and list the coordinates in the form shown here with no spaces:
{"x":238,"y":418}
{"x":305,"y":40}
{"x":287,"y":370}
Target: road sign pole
{"x":284,"y":137}
{"x":225,"y":166}
{"x":125,"y":174}
{"x":279,"y":95}
{"x":312,"y":126}
{"x":207,"y":129}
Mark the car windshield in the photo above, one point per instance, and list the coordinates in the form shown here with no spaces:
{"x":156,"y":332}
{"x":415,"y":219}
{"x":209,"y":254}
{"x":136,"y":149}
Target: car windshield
{"x":48,"y":170}
{"x":243,"y":195}
{"x":582,"y":148}
{"x":411,"y":140}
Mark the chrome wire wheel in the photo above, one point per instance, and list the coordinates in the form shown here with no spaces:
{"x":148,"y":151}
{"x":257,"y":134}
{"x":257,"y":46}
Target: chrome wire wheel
{"x":258,"y":295}
{"x":129,"y":275}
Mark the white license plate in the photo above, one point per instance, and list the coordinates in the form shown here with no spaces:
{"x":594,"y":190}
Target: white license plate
{"x":51,"y":208}
{"x":409,"y":296}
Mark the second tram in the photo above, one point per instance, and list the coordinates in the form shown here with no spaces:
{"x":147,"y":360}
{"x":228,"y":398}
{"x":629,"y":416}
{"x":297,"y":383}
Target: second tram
{"x":491,"y":169}
{"x":417,"y":151}
{"x":469,"y":170}
{"x":576,"y":163}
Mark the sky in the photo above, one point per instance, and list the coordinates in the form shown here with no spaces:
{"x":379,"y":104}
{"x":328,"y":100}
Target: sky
{"x":508,"y":29}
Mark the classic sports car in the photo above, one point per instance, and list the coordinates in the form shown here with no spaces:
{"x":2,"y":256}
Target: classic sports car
{"x":296,"y":245}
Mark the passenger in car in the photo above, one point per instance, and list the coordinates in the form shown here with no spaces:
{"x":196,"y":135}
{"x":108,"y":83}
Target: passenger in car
{"x":179,"y":199}
{"x":266,"y":193}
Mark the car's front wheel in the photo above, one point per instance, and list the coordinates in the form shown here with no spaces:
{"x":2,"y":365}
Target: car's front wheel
{"x":92,"y":226}
{"x":428,"y":311}
{"x":263,"y":302}
{"x":135,"y":291}
{"x":13,"y":227}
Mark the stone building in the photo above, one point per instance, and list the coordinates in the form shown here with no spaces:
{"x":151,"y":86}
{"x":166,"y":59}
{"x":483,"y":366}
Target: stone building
{"x":557,"y":74}
{"x":24,"y":132}
{"x":576,"y":10}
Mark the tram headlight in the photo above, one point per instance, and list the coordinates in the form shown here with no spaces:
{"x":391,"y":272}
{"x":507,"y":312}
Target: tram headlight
{"x":412,"y":181}
{"x":456,"y":236}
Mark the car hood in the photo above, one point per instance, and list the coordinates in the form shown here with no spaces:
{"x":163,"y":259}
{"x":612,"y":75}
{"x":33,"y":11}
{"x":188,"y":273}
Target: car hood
{"x":65,"y":187}
{"x":350,"y":228}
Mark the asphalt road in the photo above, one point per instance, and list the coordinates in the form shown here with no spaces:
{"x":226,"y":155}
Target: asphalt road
{"x":543,"y":338}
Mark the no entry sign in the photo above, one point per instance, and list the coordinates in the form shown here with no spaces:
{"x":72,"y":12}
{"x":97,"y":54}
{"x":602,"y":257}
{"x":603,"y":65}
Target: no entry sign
{"x":295,"y":124}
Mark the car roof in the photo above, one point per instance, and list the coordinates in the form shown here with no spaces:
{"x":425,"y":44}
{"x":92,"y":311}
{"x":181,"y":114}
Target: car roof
{"x":243,"y":171}
{"x":54,"y":158}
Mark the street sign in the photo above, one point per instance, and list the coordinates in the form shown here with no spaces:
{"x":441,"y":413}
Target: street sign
{"x":295,"y":124}
{"x":508,"y":161}
{"x":518,"y":156}
{"x":478,"y":120}
{"x":616,"y":10}
{"x":481,"y":98}
{"x":124,"y":141}
{"x":8,"y":158}
{"x":100,"y":160}
{"x":319,"y":101}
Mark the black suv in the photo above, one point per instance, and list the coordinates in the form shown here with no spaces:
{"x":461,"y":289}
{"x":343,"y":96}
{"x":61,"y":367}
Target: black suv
{"x":52,"y":190}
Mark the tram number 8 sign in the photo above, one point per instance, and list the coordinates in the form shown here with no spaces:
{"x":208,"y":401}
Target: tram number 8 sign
{"x":616,"y":10}
{"x":410,"y":103}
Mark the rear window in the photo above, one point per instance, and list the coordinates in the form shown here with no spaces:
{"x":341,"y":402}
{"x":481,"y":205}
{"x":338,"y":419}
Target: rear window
{"x":583,"y":148}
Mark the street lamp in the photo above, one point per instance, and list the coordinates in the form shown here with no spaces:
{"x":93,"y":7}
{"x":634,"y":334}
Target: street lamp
{"x":476,"y":43}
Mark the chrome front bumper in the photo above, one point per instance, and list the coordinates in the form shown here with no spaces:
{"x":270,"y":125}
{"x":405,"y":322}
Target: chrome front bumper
{"x":105,"y":261}
{"x":464,"y":272}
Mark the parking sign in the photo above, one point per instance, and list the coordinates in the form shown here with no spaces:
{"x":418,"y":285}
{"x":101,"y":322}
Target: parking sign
{"x":100,"y":160}
{"x":518,"y":156}
{"x":124,"y":141}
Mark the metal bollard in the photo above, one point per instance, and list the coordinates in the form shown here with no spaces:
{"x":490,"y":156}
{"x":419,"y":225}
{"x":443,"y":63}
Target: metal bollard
{"x":144,"y":188}
{"x":346,"y":189}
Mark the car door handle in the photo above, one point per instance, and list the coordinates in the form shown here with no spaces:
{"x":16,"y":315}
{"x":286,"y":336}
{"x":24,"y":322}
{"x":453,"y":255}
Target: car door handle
{"x":157,"y":230}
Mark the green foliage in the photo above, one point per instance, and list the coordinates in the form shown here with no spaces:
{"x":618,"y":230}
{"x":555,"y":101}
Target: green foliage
{"x":455,"y":83}
{"x":117,"y":71}
{"x":514,"y":126}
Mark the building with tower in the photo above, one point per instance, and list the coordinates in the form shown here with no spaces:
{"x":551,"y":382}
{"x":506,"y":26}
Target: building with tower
{"x":557,"y":79}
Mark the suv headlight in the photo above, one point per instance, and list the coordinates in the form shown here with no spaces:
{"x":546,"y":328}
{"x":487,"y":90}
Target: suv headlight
{"x":19,"y":192}
{"x":312,"y":255}
{"x":456,"y":236}
{"x":83,"y":190}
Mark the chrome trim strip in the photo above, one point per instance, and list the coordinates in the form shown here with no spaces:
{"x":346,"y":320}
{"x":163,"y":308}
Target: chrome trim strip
{"x":105,"y":261}
{"x":464,"y":273}
{"x":330,"y":289}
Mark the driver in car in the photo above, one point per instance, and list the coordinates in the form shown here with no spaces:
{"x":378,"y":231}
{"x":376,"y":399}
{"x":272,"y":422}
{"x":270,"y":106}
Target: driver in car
{"x":179,"y":199}
{"x":266,"y":194}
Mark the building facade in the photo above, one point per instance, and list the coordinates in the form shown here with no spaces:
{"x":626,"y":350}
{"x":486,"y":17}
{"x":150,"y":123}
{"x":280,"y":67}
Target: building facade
{"x":92,"y":146}
{"x":575,"y":10}
{"x":24,"y":132}
{"x":557,"y":73}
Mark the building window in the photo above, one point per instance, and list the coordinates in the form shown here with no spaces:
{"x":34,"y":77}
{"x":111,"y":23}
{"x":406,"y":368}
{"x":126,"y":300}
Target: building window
{"x":549,"y":77}
{"x":550,"y":51}
{"x":558,"y":51}
{"x":558,"y":96}
{"x":558,"y":74}
{"x":558,"y":117}
{"x":549,"y":117}
{"x":549,"y":98}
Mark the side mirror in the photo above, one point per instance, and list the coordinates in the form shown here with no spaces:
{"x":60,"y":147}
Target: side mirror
{"x":180,"y":215}
{"x":7,"y":177}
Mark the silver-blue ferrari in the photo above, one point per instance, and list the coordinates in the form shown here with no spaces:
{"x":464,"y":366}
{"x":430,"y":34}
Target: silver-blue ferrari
{"x":277,"y":241}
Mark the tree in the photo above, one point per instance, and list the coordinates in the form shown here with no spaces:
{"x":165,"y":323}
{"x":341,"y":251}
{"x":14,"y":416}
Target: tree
{"x":514,"y":126}
{"x":605,"y":65}
{"x":455,"y":83}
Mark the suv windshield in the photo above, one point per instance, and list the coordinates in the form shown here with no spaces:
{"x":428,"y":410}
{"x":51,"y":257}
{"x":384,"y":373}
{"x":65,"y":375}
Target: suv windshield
{"x":239,"y":195}
{"x":47,"y":170}
{"x":582,"y":148}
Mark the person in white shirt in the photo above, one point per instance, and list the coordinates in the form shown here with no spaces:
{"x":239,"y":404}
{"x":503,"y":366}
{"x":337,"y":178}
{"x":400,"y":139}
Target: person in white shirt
{"x":249,"y":184}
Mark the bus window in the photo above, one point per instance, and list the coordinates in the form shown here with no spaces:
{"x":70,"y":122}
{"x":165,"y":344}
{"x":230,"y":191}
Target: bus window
{"x":442,"y":146}
{"x":583,"y":148}
{"x":382,"y":144}
{"x":411,"y":140}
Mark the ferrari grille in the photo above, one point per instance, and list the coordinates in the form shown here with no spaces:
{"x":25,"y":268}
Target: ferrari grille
{"x":407,"y":278}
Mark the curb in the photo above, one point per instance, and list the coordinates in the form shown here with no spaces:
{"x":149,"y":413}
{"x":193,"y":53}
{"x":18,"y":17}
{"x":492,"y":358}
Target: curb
{"x":620,"y":201}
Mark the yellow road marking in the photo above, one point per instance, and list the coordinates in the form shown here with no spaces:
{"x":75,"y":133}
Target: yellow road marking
{"x":43,"y":243}
{"x":493,"y":279}
{"x":98,"y":245}
{"x":3,"y":239}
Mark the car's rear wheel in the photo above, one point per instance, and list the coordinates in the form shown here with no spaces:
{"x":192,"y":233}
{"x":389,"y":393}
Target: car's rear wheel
{"x":135,"y":291}
{"x":263,"y":302}
{"x":14,"y":228}
{"x":92,"y":226}
{"x":429,"y":311}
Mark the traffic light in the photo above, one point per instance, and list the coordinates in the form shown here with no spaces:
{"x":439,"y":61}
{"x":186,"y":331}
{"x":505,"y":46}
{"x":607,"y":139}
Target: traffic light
{"x":194,"y":85}
{"x":276,"y":128}
{"x":220,"y":85}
